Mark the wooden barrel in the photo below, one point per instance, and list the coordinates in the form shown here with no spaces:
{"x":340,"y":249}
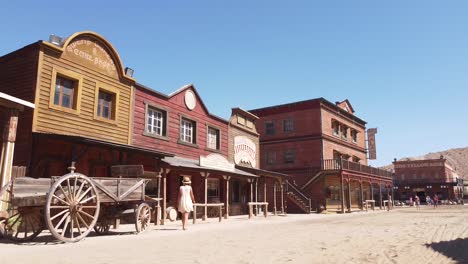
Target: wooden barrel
{"x":171,"y":213}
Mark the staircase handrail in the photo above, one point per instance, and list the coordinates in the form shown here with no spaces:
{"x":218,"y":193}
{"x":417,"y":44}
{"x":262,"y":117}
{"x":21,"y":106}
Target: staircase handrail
{"x":300,"y":193}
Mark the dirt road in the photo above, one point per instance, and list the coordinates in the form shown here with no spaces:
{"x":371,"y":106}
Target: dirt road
{"x":400,"y":236}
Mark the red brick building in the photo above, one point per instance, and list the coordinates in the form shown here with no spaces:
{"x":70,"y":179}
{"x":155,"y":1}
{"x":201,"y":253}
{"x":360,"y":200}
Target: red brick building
{"x":426,"y":178}
{"x":322,"y":146}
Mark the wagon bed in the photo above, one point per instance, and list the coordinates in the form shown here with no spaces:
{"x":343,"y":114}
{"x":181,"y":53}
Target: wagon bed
{"x":70,"y":206}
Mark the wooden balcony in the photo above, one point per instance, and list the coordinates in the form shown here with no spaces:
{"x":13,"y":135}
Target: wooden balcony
{"x":341,"y":164}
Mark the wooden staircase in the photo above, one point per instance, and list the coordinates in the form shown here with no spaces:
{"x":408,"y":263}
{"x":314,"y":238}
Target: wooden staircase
{"x":298,"y":198}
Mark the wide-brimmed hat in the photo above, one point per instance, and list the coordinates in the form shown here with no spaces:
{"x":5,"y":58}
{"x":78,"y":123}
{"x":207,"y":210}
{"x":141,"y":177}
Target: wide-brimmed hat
{"x":186,"y":180}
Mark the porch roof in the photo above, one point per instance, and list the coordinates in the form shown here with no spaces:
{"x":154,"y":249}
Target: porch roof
{"x":195,"y":165}
{"x":261,"y":172}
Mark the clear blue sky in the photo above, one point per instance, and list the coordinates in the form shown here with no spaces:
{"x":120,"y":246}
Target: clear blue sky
{"x":402,"y":64}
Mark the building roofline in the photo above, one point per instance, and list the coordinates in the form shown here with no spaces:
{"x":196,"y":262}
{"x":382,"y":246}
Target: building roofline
{"x":320,"y":100}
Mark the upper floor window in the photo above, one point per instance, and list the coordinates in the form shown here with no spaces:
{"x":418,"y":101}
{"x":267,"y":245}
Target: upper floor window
{"x":344,"y":132}
{"x":64,"y":92}
{"x":270,"y":128}
{"x":354,"y":135}
{"x":336,"y":128}
{"x":270,"y":158}
{"x":289,"y":156}
{"x":187,"y":131}
{"x":288,"y":125}
{"x":106,"y":105}
{"x":156,"y":121}
{"x":213,"y":138}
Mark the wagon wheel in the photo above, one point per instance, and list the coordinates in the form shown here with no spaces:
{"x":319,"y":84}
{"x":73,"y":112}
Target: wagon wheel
{"x":22,"y":224}
{"x":103,"y":226}
{"x":72,"y":207}
{"x":143,"y":217}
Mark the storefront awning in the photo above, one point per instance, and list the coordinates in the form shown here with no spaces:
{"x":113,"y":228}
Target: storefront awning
{"x":264,"y":173}
{"x":96,"y":142}
{"x":195,"y":165}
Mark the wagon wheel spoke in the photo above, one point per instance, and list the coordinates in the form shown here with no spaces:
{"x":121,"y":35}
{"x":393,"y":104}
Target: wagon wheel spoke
{"x":88,"y":199}
{"x":61,"y":200}
{"x":74,"y":186}
{"x":85,"y":213}
{"x":84,"y":194}
{"x":64,"y":194}
{"x":61,"y":220}
{"x":67,"y":221}
{"x":82,"y":220}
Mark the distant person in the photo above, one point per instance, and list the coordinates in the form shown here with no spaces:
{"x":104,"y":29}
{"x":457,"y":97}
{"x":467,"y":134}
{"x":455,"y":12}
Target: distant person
{"x":428,"y":200}
{"x":411,"y":201}
{"x":417,"y":202}
{"x":436,"y":200}
{"x":185,"y":200}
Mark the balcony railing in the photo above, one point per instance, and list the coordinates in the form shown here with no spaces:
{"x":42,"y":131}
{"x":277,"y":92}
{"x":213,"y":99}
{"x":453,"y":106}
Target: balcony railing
{"x":341,"y":164}
{"x":427,"y":181}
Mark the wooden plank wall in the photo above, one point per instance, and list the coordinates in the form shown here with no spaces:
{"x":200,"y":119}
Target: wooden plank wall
{"x":56,"y":121}
{"x":18,"y":72}
{"x":175,"y":107}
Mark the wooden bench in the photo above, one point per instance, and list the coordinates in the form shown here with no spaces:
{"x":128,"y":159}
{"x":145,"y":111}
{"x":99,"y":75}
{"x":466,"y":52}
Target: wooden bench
{"x":219,"y":205}
{"x":367,"y":202}
{"x":251,"y":205}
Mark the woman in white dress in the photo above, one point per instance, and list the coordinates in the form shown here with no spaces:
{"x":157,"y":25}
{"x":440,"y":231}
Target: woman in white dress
{"x":185,"y":200}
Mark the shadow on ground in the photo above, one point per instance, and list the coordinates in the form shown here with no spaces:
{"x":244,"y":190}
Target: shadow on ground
{"x":455,"y":249}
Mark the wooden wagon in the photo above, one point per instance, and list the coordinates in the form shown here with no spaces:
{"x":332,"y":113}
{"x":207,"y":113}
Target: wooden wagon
{"x":70,"y":206}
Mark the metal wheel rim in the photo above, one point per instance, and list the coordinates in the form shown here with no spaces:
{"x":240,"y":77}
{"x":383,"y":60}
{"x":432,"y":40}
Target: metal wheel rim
{"x":72,"y":207}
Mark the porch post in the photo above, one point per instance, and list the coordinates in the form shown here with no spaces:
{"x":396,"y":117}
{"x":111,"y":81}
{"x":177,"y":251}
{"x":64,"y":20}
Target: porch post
{"x":8,"y":148}
{"x":342,"y":193}
{"x":256,"y":196}
{"x":164,"y":212}
{"x":158,"y":206}
{"x":362,"y":196}
{"x":264,"y":190}
{"x":380,"y":195}
{"x":205,"y":175}
{"x":372,"y":190}
{"x":274,"y":198}
{"x":251,"y":190}
{"x":282,"y":198}
{"x":227,"y":178}
{"x":349,"y":195}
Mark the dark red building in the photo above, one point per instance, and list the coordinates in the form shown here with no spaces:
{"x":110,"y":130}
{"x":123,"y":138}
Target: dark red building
{"x":426,"y":178}
{"x":322,"y":146}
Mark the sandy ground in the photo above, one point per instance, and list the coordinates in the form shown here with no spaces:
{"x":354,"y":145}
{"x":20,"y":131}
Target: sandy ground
{"x":403,"y":235}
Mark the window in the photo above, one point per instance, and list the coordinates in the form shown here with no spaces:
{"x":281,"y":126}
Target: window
{"x":289,"y":156}
{"x":213,"y":138}
{"x":288,"y":125}
{"x":270,"y":128}
{"x":106,"y":105}
{"x":270,"y":158}
{"x":336,"y":128}
{"x":354,"y":135}
{"x":64,"y":92}
{"x":156,"y":120}
{"x":344,"y":132}
{"x":249,"y":123}
{"x":240,"y":120}
{"x":213,"y":188}
{"x":187,"y":131}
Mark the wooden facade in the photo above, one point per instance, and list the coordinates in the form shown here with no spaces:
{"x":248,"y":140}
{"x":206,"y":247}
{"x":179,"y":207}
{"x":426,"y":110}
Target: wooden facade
{"x":322,"y":146}
{"x":161,"y":122}
{"x":90,"y":116}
